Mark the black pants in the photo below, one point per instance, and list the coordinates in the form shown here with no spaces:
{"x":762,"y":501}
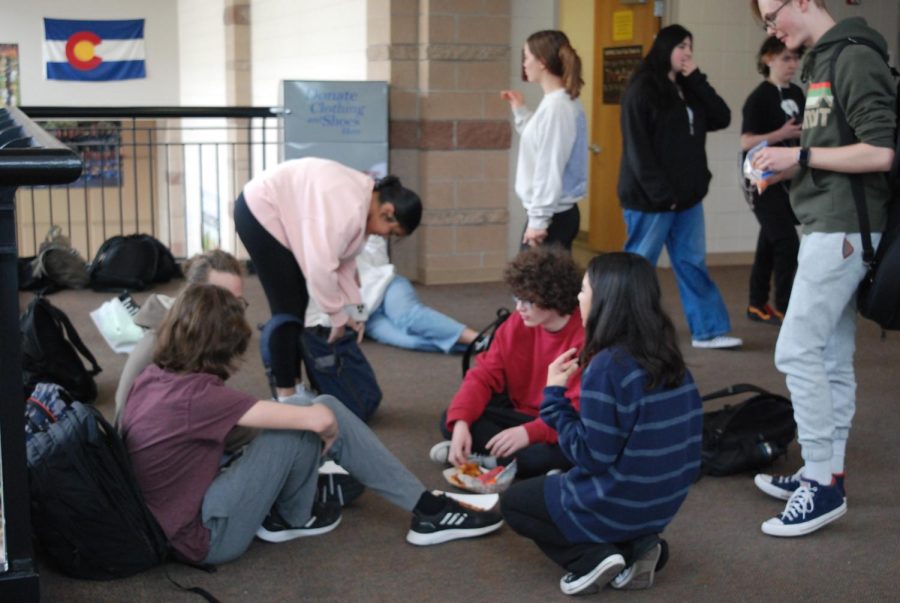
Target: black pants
{"x":535,"y":459}
{"x":525,"y":511}
{"x":776,"y":248}
{"x":563,"y":228}
{"x":285,"y":288}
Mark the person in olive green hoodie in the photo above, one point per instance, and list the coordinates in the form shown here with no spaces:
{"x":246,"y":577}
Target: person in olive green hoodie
{"x":817,"y":340}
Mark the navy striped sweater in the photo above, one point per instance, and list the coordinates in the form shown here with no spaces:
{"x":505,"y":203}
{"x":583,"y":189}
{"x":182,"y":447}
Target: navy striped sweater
{"x":635,"y":452}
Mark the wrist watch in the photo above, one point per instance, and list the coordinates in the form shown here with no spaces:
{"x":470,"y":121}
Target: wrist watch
{"x":803,"y":157}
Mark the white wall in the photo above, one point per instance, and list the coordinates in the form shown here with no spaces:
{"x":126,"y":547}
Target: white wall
{"x":201,"y":32}
{"x":22,"y":23}
{"x":306,"y":40}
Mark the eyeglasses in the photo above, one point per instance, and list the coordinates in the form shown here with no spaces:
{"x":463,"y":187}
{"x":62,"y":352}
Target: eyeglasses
{"x":769,"y":18}
{"x":525,"y":303}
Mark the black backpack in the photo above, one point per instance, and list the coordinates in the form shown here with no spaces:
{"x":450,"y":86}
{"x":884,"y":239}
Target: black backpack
{"x":50,"y":351}
{"x":87,"y":511}
{"x":132,"y":262}
{"x":483,"y":340}
{"x":339,"y":369}
{"x":878,"y":297}
{"x":747,"y":436}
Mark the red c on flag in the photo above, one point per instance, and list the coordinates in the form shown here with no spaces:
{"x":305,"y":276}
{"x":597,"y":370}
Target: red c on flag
{"x":80,"y":50}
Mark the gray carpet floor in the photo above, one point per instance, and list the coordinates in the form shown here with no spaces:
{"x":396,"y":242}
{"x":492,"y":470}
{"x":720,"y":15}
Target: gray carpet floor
{"x":717,"y":550}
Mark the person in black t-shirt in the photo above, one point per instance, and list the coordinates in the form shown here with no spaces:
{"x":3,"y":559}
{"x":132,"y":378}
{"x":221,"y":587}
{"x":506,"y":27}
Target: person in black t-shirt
{"x":773,"y":112}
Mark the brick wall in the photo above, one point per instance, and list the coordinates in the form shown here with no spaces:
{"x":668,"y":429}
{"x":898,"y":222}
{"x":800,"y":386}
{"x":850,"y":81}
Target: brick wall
{"x":446,"y":60}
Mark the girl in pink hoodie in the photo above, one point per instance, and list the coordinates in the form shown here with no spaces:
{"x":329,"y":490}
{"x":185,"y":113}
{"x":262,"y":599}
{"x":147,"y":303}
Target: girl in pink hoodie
{"x":303,"y":222}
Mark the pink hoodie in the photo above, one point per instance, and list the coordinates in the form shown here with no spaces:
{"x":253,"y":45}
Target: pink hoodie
{"x":317,"y":208}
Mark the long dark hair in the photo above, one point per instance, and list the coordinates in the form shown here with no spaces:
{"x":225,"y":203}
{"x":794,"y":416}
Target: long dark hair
{"x":626,"y":312}
{"x":652,"y":74}
{"x":407,"y":204}
{"x":552,"y":48}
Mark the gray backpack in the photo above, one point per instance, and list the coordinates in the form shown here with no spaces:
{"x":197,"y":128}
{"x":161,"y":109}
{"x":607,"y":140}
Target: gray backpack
{"x":59,"y":263}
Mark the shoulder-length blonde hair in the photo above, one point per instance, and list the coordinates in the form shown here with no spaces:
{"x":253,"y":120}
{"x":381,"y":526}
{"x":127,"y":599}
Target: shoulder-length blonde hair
{"x":203,"y":332}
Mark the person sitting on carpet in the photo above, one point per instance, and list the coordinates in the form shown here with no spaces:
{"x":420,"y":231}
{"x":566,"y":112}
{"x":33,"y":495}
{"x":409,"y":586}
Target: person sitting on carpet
{"x":495,"y":411}
{"x":216,"y":267}
{"x":634,"y":444}
{"x":180,"y":411}
{"x":395,"y":315}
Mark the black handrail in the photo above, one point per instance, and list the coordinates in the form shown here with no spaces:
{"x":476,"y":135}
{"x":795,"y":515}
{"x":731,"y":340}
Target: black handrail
{"x":33,"y":157}
{"x":44,"y":160}
{"x":152,"y":112}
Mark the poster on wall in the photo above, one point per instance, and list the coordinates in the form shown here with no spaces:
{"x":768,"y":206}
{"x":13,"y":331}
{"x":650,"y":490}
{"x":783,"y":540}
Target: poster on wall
{"x":98,"y":143}
{"x":618,"y":64}
{"x":9,"y":75}
{"x":343,"y":121}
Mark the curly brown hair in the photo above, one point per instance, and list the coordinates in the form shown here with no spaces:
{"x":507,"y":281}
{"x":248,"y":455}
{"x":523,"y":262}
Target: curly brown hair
{"x":203,"y":332}
{"x":546,"y":276}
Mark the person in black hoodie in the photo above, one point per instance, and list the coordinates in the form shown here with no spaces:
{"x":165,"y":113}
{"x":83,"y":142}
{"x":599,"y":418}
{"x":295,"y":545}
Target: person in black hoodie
{"x":667,"y":110}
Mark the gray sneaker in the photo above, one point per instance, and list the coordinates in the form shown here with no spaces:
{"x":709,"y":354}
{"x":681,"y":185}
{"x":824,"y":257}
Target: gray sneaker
{"x":440,"y":453}
{"x":640,"y":574}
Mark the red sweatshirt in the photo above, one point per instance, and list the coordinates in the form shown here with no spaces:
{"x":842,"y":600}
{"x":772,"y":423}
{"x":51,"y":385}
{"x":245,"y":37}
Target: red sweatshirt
{"x":517,"y":363}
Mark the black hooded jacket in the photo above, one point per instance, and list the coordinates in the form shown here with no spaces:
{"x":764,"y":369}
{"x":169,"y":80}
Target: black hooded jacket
{"x":664,"y":166}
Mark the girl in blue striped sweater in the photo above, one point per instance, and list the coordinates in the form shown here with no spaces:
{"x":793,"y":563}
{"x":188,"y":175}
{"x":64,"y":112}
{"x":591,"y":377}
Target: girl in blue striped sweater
{"x":635,"y":447}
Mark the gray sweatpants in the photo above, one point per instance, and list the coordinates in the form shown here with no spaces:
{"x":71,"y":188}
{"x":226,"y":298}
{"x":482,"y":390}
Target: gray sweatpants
{"x":816,"y":345}
{"x":280,"y":468}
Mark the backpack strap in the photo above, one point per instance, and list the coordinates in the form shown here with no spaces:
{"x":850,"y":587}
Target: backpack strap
{"x":847,"y":138}
{"x":72,"y":336}
{"x":483,"y":340}
{"x":732,"y":390}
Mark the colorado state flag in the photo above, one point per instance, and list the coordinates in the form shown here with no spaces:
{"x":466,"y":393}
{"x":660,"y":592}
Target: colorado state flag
{"x":94,"y":51}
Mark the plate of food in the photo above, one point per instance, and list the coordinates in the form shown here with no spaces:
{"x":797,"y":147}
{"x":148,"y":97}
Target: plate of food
{"x":473,"y":477}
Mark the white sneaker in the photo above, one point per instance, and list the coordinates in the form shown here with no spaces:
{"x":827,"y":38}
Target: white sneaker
{"x":440,"y":452}
{"x":720,"y":342}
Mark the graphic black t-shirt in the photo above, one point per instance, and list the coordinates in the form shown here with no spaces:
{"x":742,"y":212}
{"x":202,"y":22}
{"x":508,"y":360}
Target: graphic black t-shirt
{"x":769,"y":106}
{"x":766,"y":109}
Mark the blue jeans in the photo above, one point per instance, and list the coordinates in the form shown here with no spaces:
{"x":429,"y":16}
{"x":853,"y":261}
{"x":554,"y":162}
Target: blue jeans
{"x":682,"y":232}
{"x":403,"y":321}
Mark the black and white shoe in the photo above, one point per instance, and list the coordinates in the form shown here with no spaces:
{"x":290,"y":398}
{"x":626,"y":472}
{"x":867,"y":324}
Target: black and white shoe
{"x":453,"y":522}
{"x":598,"y":577}
{"x":339,"y":487}
{"x":325,"y":517}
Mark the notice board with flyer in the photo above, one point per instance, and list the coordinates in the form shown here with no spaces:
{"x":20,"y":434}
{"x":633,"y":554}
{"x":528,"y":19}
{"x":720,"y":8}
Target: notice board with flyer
{"x":343,"y":121}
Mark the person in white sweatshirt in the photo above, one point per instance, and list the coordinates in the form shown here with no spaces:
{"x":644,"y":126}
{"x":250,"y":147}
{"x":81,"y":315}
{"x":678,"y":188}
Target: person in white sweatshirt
{"x":394,"y":314}
{"x":551,"y":171}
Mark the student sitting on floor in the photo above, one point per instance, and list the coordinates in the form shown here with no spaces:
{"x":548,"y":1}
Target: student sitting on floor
{"x":395,"y":315}
{"x":495,"y":410}
{"x":634,"y":444}
{"x":180,"y":411}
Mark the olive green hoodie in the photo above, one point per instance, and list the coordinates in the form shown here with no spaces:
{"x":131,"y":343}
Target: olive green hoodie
{"x":823,"y":200}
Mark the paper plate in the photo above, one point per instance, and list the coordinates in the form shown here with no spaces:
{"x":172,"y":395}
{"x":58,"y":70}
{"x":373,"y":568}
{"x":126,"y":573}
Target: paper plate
{"x":473,"y":484}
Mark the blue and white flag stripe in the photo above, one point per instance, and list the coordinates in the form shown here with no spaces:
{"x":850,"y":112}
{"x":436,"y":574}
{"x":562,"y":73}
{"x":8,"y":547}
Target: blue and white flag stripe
{"x":108,"y":50}
{"x":94,"y":50}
